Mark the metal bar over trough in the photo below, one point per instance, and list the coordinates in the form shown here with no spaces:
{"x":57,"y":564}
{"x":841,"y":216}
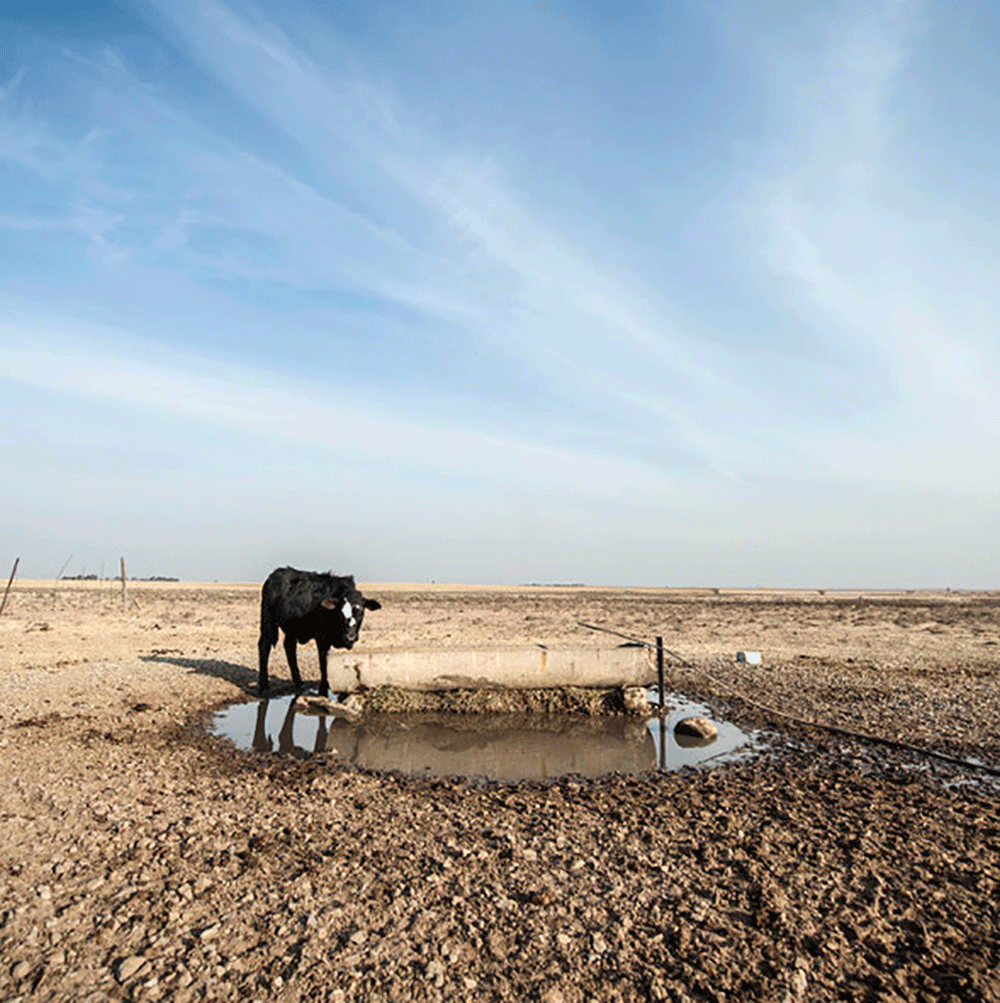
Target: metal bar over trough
{"x":522,"y":667}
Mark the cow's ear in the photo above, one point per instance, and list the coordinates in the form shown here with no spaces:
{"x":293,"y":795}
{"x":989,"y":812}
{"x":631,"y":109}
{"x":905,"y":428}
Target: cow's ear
{"x":372,"y":604}
{"x":329,"y":604}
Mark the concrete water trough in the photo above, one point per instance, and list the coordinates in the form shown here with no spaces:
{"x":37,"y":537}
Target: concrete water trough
{"x":426,"y":733}
{"x":533,"y":666}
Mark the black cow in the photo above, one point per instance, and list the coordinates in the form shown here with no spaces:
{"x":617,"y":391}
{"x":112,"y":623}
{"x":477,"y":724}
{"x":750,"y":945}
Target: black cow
{"x":307,"y":605}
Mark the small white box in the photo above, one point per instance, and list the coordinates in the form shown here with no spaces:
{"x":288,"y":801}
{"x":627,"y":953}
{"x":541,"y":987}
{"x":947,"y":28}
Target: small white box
{"x":750,"y":657}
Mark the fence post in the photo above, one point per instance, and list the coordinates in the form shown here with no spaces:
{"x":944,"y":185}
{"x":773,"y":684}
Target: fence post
{"x":123,"y":583}
{"x":10,"y":581}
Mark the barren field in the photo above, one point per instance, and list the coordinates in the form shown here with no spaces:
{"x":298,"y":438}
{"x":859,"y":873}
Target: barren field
{"x":141,"y":859}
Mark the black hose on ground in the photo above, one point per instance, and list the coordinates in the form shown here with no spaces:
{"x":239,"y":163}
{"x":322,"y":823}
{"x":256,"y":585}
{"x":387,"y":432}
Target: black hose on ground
{"x":891,"y":742}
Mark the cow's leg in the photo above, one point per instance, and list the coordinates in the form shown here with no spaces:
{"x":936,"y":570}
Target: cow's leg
{"x":268,"y":639}
{"x":286,"y":737}
{"x":263,"y":650}
{"x":261,"y":742}
{"x":324,"y":685}
{"x":293,"y":662}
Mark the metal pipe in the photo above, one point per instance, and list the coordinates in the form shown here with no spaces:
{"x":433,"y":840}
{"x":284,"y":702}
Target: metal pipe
{"x":659,"y":669}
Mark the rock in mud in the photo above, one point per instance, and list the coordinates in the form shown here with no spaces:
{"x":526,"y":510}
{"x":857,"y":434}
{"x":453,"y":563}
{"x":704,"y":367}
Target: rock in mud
{"x":435,"y":971}
{"x":634,"y":699}
{"x":128,"y":967}
{"x":310,"y":703}
{"x":696,"y":727}
{"x":497,"y":945}
{"x":800,"y":982}
{"x":354,"y":704}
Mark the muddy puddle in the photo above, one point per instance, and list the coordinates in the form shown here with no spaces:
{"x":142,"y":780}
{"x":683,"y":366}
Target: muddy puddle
{"x":494,"y":746}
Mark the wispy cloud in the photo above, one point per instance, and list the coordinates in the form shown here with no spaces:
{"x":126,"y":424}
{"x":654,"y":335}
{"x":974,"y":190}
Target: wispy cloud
{"x":497,"y":269}
{"x":463,"y":252}
{"x":845,"y":251}
{"x":246,"y":401}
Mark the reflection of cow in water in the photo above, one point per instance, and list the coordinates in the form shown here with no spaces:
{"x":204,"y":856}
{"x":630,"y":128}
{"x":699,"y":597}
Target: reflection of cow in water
{"x":522,"y":747}
{"x":262,"y":741}
{"x":307,"y":605}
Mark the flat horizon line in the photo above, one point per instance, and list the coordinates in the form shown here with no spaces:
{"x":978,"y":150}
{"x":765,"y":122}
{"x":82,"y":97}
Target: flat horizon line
{"x":707,"y":590}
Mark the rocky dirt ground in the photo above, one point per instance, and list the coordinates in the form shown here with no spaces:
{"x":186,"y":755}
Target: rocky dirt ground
{"x":141,"y":859}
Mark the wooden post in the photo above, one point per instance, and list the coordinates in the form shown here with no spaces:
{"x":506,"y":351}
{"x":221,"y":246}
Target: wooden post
{"x":659,"y":669}
{"x":10,"y":581}
{"x":123,"y":583}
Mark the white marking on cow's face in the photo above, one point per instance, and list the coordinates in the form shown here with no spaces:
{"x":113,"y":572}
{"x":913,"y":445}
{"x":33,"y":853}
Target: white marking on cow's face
{"x":348,"y":610}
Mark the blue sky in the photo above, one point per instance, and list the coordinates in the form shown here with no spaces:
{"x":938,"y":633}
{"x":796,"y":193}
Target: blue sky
{"x":656,"y":294}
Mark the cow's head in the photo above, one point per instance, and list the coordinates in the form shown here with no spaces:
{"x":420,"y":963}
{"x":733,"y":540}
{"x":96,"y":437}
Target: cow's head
{"x":349,"y":607}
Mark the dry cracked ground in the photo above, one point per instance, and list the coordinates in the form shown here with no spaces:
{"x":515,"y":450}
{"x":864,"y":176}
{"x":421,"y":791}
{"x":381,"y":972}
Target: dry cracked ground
{"x":141,"y":859}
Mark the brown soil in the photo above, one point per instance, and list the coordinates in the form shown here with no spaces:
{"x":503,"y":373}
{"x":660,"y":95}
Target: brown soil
{"x":142,"y":860}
